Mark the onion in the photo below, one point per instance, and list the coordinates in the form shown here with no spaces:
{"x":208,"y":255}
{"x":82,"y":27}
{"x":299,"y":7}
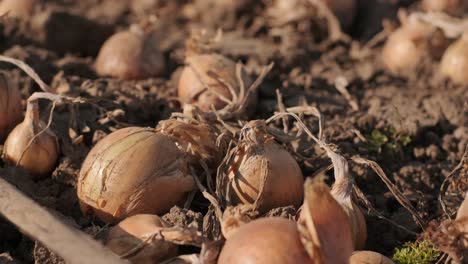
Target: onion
{"x":355,"y":217}
{"x":130,"y":54}
{"x":261,"y":172}
{"x":324,"y":233}
{"x":207,"y":80}
{"x":31,"y":145}
{"x":17,"y":8}
{"x":134,"y":233}
{"x":266,"y":240}
{"x":408,"y":45}
{"x":368,"y":257}
{"x":454,"y":64}
{"x":452,"y":7}
{"x":133,"y":171}
{"x":10,"y":106}
{"x":330,"y":238}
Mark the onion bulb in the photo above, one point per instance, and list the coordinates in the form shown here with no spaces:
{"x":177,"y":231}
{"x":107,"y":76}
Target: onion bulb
{"x":133,"y":171}
{"x":322,"y":236}
{"x":17,"y":8}
{"x":10,"y":106}
{"x":408,"y":45}
{"x":130,"y":54}
{"x":266,"y":240}
{"x":369,"y":257}
{"x":31,"y":145}
{"x":211,"y":80}
{"x":134,"y":233}
{"x":454,"y":63}
{"x":330,"y":238}
{"x":452,"y":7}
{"x":262,"y":173}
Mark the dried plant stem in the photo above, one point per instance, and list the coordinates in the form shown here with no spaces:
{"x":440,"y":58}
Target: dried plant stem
{"x":372,"y":211}
{"x":39,"y":224}
{"x":28,"y":70}
{"x":334,"y":27}
{"x":207,"y":195}
{"x":282,"y":109}
{"x":398,"y":195}
{"x":340,"y":167}
{"x":340,"y":84}
{"x":443,"y":186}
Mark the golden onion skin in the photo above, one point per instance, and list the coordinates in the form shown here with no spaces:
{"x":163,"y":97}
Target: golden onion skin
{"x":130,"y":55}
{"x":407,"y":46}
{"x":454,"y":63}
{"x":10,"y":106}
{"x":357,"y":223}
{"x":198,"y":74}
{"x":133,"y":171}
{"x":38,"y":158}
{"x":284,"y":180}
{"x":368,"y":257}
{"x":265,"y":241}
{"x":133,"y":231}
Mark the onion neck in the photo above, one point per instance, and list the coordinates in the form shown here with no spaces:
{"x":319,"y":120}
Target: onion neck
{"x":343,"y":186}
{"x":32,"y":113}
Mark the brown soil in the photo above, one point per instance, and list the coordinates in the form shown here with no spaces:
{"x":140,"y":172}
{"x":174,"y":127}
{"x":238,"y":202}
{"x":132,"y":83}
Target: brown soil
{"x":414,"y":126}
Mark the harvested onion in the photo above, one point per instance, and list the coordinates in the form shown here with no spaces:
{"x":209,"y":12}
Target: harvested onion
{"x":10,"y":106}
{"x":131,"y":54}
{"x":324,"y":233}
{"x":454,"y":64}
{"x":368,"y":257}
{"x":452,"y":7}
{"x":133,"y":171}
{"x":266,"y":240}
{"x":262,"y":173}
{"x":408,"y":45}
{"x":17,"y":8}
{"x":211,"y":80}
{"x":31,"y":145}
{"x":135,"y":233}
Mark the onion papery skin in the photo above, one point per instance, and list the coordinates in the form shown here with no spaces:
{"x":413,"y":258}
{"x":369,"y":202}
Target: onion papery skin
{"x":269,"y":162}
{"x":133,"y":232}
{"x":133,"y":171}
{"x":267,"y":240}
{"x":32,"y":146}
{"x":10,"y":106}
{"x":130,"y":55}
{"x":454,"y":63}
{"x":203,"y":71}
